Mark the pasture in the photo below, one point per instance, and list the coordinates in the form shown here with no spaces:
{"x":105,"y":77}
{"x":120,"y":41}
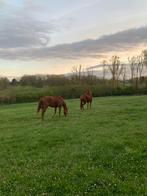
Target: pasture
{"x":102,"y":151}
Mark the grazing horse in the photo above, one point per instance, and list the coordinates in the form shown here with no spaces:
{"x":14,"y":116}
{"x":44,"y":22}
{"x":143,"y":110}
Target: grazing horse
{"x":86,"y":98}
{"x":52,"y":101}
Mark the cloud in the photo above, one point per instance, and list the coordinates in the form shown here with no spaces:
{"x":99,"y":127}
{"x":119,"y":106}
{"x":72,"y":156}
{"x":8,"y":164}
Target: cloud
{"x":24,"y":31}
{"x":25,"y":26}
{"x":120,"y":41}
{"x":2,"y":3}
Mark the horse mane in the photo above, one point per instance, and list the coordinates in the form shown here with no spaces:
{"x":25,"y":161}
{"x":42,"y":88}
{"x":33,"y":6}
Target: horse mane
{"x":88,"y":92}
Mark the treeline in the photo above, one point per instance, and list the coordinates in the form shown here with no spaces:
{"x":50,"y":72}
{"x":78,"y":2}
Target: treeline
{"x":117,"y":78}
{"x":31,"y":88}
{"x":21,"y":94}
{"x":48,"y":80}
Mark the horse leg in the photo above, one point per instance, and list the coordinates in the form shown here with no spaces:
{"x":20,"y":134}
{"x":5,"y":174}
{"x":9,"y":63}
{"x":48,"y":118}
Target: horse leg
{"x":82,"y":108}
{"x":90,"y":104}
{"x":87,"y":105}
{"x":54,"y":112}
{"x":43,"y":111}
{"x":81,"y":105}
{"x":60,"y":110}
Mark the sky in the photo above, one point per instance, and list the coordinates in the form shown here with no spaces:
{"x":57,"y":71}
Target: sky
{"x":50,"y":37}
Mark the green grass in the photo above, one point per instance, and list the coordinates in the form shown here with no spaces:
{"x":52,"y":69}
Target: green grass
{"x":102,"y":151}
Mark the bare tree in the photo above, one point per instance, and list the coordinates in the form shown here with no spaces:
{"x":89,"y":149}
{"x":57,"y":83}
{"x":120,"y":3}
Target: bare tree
{"x":123,"y":73}
{"x":137,"y":73}
{"x":77,"y":70}
{"x":89,"y":72}
{"x":132,"y":64}
{"x":144,"y":52}
{"x":115,"y":68}
{"x":104,"y":64}
{"x":136,"y":68}
{"x":141,"y":65}
{"x":139,"y":68}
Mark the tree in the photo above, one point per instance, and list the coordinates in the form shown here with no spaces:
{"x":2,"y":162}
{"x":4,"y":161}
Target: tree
{"x":77,"y":72}
{"x":4,"y":83}
{"x":144,"y":53}
{"x":123,"y":73}
{"x":14,"y":82}
{"x":132,"y":64}
{"x":115,"y":68}
{"x":104,"y":65}
{"x":136,"y":67}
{"x":141,"y":66}
{"x":89,"y":72}
{"x":31,"y":80}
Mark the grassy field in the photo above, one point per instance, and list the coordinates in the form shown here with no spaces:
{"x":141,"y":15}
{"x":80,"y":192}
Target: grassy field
{"x":102,"y":151}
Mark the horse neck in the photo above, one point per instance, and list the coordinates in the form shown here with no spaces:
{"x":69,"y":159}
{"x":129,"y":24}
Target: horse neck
{"x":88,"y":92}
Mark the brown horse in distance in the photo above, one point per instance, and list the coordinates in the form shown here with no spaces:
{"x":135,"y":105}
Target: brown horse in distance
{"x":86,"y":98}
{"x":52,"y":101}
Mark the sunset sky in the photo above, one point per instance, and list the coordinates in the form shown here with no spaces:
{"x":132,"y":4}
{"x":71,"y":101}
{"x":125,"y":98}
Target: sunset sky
{"x":50,"y":37}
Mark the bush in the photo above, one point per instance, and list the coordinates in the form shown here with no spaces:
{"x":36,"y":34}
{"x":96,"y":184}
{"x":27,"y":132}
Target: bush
{"x":20,"y":94}
{"x":4,"y":83}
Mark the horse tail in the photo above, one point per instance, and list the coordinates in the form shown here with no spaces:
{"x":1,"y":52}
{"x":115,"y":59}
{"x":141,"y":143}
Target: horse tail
{"x":40,"y":105}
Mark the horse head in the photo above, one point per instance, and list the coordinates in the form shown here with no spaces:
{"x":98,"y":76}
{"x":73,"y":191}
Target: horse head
{"x":65,"y":110}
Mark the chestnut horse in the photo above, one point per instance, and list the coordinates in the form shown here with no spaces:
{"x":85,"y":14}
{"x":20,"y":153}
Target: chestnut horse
{"x":86,"y":98}
{"x":52,"y":101}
